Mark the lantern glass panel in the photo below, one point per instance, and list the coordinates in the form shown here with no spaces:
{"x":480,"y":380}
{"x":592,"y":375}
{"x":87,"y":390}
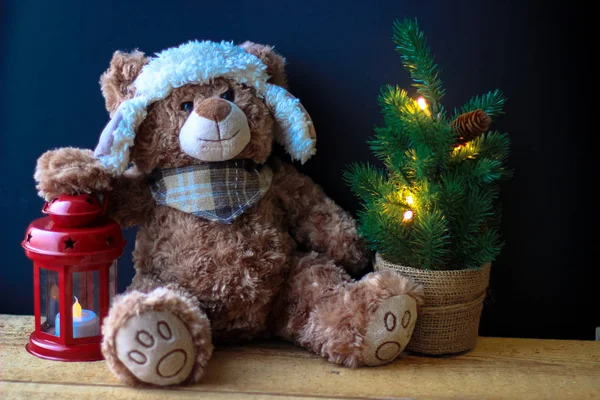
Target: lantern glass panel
{"x":86,"y":304}
{"x":49,"y":301}
{"x":112,"y":282}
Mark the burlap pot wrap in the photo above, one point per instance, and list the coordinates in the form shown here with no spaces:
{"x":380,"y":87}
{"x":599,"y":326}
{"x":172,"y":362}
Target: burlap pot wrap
{"x":448,"y":322}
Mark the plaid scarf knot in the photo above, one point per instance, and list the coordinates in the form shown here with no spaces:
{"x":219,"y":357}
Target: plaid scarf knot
{"x":218,"y":191}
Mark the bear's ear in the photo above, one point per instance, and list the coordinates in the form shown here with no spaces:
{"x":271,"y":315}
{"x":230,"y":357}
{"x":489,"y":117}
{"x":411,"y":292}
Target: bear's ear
{"x":274,"y":62}
{"x":116,"y":82}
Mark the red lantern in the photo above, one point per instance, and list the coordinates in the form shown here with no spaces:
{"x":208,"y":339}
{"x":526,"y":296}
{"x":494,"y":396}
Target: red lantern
{"x":74,"y":252}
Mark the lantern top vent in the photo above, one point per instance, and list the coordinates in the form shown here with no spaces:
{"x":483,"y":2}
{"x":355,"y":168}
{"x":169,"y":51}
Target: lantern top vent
{"x":73,"y":211}
{"x":75,"y":232}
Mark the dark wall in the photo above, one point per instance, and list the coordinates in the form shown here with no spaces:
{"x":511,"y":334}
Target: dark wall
{"x":339,"y":53}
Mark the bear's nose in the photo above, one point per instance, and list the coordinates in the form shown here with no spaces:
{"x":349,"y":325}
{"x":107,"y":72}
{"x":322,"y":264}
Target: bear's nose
{"x":215,"y":109}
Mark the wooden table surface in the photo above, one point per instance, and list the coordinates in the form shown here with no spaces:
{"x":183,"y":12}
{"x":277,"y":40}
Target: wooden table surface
{"x":498,"y":368}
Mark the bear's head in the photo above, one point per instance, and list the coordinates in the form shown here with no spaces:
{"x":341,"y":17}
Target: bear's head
{"x":200,"y":102}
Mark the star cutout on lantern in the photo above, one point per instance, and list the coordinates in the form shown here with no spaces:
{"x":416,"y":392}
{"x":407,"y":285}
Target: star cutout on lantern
{"x":29,"y":236}
{"x":69,"y":243}
{"x":110,"y":241}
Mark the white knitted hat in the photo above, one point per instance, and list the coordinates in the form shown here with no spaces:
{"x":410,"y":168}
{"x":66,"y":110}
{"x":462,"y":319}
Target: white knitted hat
{"x":200,"y":63}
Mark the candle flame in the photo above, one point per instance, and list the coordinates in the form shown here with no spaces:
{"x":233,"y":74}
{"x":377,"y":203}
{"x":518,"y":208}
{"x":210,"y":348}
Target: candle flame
{"x":54,"y":291}
{"x":76,"y":309}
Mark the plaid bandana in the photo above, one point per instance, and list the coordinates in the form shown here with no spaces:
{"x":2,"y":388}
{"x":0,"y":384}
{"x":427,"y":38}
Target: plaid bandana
{"x":217,"y":191}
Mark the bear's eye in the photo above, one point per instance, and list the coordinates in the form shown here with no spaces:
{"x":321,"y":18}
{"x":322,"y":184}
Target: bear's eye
{"x":229,"y":95}
{"x":187,"y":106}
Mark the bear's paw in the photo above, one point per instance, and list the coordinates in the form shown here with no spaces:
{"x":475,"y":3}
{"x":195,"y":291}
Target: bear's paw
{"x":156,"y":347}
{"x":390,"y":330}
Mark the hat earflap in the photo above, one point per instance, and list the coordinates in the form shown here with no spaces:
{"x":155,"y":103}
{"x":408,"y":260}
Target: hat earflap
{"x":118,"y":136}
{"x":296,"y":132}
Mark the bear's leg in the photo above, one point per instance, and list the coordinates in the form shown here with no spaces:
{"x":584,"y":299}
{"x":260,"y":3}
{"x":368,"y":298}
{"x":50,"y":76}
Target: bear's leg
{"x":159,"y":337}
{"x":353,"y":323}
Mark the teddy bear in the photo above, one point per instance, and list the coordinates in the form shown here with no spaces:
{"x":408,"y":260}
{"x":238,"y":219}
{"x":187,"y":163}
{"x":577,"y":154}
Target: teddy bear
{"x":233,"y":243}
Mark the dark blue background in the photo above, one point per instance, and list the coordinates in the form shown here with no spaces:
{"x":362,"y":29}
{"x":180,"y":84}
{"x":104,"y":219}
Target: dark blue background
{"x":339,"y":53}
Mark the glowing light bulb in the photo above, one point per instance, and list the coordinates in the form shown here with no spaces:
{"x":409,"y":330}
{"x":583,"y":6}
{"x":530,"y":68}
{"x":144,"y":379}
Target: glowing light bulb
{"x":408,"y":215}
{"x":410,"y":200}
{"x":76,"y":309}
{"x":422,"y":103}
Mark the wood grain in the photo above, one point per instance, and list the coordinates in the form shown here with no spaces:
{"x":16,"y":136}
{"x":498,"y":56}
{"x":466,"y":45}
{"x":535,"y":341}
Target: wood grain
{"x":499,"y":368}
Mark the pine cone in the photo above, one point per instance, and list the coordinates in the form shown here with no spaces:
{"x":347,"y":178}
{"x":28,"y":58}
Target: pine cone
{"x":470,"y":125}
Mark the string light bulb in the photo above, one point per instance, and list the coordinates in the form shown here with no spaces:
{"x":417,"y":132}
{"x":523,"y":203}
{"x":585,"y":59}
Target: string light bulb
{"x":408,"y":215}
{"x":410,"y":200}
{"x":422,"y":103}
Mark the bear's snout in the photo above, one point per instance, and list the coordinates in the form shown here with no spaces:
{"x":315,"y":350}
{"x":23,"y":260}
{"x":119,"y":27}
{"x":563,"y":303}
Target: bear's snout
{"x":217,"y":130}
{"x":214,"y":108}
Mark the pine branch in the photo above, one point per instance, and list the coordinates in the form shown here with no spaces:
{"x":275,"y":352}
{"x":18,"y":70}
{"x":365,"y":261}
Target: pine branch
{"x":387,"y":142}
{"x":366,"y":182}
{"x":484,"y":248}
{"x":435,"y":137}
{"x":430,"y":239}
{"x":480,"y":171}
{"x":392,"y":99}
{"x":419,"y":61}
{"x":385,"y":234}
{"x":484,"y":170}
{"x":429,"y":195}
{"x":452,"y":192}
{"x":462,"y":153}
{"x":391,"y":136}
{"x":493,"y":145}
{"x":423,"y":163}
{"x":400,"y":169}
{"x":468,"y":220}
{"x":491,"y":103}
{"x":481,"y":161}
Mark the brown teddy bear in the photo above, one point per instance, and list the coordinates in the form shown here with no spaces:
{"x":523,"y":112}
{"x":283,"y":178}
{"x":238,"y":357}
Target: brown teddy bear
{"x":232,"y":243}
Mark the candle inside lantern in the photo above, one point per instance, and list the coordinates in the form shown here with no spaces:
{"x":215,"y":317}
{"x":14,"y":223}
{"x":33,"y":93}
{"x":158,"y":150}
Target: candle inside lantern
{"x":85,"y":322}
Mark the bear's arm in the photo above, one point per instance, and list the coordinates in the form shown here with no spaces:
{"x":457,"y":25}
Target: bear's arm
{"x":131,"y":199}
{"x":316,"y":221}
{"x":72,"y":171}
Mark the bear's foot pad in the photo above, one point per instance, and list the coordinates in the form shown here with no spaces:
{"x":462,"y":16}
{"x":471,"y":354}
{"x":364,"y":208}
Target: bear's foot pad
{"x":156,"y":347}
{"x":390,"y":330}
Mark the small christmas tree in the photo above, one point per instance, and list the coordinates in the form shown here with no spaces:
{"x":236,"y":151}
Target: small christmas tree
{"x":435,"y":206}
